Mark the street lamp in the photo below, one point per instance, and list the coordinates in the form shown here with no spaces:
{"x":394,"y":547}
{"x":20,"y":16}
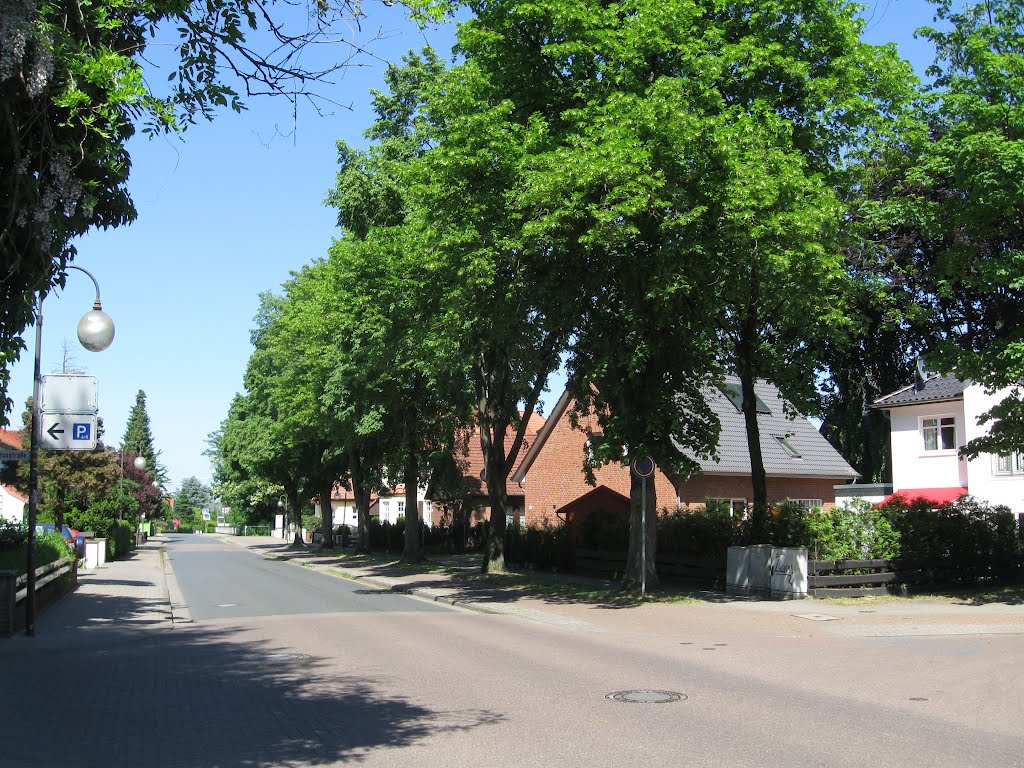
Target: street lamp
{"x":95,"y":332}
{"x":140,"y":464}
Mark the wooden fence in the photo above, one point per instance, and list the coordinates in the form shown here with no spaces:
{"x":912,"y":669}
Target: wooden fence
{"x":855,"y":578}
{"x":669,"y":566}
{"x":49,"y":586}
{"x":849,"y":578}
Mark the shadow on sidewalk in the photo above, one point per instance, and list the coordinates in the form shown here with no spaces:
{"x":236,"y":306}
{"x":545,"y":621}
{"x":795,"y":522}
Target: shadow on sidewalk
{"x":203,"y":697}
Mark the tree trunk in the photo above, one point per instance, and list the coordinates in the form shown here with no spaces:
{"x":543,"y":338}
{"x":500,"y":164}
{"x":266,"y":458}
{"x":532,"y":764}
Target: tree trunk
{"x":494,"y":550}
{"x":643,"y":533}
{"x":326,"y":512}
{"x":362,"y":499}
{"x":293,"y":503}
{"x":412,"y":551}
{"x":759,"y":482}
{"x":492,"y":444}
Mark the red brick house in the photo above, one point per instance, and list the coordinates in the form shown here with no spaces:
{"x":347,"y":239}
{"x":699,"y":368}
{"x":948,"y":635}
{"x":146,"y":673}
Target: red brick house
{"x":800,"y":464}
{"x":471,"y":464}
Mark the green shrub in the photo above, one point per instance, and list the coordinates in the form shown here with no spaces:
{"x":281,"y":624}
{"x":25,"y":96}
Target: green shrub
{"x":49,"y":547}
{"x":312,"y":522}
{"x":605,"y":529}
{"x":545,"y":547}
{"x":855,"y":531}
{"x":52,"y":546}
{"x":453,"y":533}
{"x":967,"y":530}
{"x":12,"y":536}
{"x":387,"y":536}
{"x":705,"y":532}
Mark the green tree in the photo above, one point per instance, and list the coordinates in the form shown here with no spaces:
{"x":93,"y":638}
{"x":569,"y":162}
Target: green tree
{"x":72,"y":93}
{"x":138,"y":439}
{"x":950,"y":215}
{"x":191,"y":497}
{"x":402,"y":380}
{"x":252,"y":500}
{"x":741,"y":117}
{"x":510,"y":301}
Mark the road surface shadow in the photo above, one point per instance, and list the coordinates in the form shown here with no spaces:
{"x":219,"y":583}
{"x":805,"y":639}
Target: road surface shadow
{"x":196,"y":697}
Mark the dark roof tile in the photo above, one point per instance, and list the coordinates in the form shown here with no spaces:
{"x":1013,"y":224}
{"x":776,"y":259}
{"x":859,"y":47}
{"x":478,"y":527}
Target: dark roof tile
{"x":933,"y":389}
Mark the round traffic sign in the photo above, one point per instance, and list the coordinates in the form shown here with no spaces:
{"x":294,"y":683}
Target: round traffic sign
{"x":644,"y":466}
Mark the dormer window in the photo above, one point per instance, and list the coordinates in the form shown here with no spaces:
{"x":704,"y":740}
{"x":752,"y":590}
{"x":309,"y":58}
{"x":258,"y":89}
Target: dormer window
{"x":736,"y":398}
{"x":939,"y":433}
{"x":788,"y":447}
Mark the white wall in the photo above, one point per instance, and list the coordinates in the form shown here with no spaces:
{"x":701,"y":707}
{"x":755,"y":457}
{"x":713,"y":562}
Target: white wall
{"x":345,"y":514}
{"x":912,"y":465}
{"x":982,"y":480}
{"x":12,"y":509}
{"x":387,"y":507}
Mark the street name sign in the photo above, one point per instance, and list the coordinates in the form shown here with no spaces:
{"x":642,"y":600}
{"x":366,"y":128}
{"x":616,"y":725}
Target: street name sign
{"x":68,"y":431}
{"x":14,"y":455}
{"x":69,"y":393}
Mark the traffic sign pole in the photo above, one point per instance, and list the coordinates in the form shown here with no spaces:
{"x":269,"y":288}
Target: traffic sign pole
{"x":644,"y":467}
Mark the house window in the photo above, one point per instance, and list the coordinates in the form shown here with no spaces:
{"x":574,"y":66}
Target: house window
{"x":736,"y":398}
{"x":401,"y":508}
{"x":788,"y":447}
{"x":736,"y":507}
{"x":807,"y":503}
{"x":939,"y":433}
{"x":1011,"y":464}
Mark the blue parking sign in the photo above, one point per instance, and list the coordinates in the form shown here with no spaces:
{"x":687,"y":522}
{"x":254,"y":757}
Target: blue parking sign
{"x":81,"y":431}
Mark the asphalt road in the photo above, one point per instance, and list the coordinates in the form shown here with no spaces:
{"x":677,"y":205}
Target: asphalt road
{"x":222,"y":581}
{"x":286,"y":667}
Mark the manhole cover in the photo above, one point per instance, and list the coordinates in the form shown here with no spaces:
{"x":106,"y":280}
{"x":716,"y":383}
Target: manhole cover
{"x":646,"y":697}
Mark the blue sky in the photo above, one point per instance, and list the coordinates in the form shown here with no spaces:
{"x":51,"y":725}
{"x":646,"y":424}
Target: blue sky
{"x":228,"y":211}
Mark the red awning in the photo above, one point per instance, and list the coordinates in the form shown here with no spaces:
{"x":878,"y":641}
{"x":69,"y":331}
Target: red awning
{"x":937,"y":496}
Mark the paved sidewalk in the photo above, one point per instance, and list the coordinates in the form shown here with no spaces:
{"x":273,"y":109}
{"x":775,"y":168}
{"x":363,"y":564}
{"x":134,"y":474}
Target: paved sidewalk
{"x":712,"y":614}
{"x":126,"y":596}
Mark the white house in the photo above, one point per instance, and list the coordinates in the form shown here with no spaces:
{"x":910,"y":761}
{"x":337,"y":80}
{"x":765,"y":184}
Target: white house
{"x":930,"y":421}
{"x":389,"y":506}
{"x":12,"y":504}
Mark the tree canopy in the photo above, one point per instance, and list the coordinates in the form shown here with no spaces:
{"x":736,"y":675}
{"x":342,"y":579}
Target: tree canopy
{"x":73,"y":91}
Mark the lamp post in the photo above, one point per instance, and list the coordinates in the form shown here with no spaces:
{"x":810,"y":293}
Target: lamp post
{"x":95,"y":332}
{"x":140,"y":464}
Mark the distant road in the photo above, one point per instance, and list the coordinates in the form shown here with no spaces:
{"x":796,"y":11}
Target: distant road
{"x":222,"y":581}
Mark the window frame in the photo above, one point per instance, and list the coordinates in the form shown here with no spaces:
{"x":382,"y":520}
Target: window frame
{"x":791,"y":450}
{"x":807,"y":504}
{"x":732,"y":501}
{"x":1016,"y":464}
{"x":938,"y":427}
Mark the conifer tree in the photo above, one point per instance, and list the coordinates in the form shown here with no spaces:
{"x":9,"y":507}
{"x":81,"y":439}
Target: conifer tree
{"x":138,"y":439}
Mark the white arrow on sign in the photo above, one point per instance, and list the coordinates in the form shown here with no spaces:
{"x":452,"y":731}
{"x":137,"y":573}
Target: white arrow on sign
{"x":68,"y":432}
